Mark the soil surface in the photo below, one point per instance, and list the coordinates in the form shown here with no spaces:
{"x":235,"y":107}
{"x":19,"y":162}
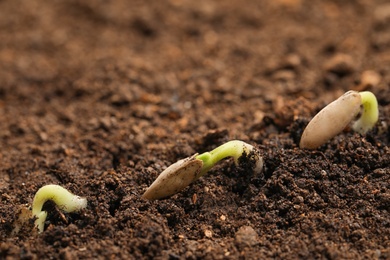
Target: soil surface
{"x":102,"y":96}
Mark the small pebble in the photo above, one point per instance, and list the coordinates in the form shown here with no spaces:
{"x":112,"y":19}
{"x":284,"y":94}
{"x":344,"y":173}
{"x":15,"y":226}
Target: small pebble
{"x":368,"y":79}
{"x":283,"y":75}
{"x":340,"y":64}
{"x":299,"y":199}
{"x":246,"y":235}
{"x":293,"y":61}
{"x":208,"y":233}
{"x":382,"y":14}
{"x":380,"y":172}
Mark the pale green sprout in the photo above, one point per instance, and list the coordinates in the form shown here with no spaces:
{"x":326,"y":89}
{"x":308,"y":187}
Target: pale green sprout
{"x":64,"y":199}
{"x":369,"y":115}
{"x":182,"y":173}
{"x":233,"y":149}
{"x":333,"y":118}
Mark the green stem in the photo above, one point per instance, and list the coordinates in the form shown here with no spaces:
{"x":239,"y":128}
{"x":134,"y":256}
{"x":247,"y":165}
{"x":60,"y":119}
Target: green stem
{"x":369,"y":115}
{"x":233,"y":149}
{"x":61,"y":196}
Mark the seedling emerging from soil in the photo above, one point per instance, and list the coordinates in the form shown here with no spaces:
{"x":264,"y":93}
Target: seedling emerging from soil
{"x":333,"y":118}
{"x":61,"y":196}
{"x":182,"y":173}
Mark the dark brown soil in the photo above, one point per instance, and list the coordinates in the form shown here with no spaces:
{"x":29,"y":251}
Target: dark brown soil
{"x":101,"y":96}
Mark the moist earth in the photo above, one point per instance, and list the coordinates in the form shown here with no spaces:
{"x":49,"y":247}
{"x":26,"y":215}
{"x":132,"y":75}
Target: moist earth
{"x":102,"y":96}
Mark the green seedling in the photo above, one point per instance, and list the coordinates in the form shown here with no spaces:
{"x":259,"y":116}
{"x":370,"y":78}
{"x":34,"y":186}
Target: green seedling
{"x":65,"y":200}
{"x":182,"y":173}
{"x":370,"y":113}
{"x":333,"y":118}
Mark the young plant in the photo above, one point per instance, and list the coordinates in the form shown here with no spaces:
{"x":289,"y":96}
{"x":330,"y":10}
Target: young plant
{"x":61,"y":196}
{"x":333,"y":118}
{"x":182,"y":173}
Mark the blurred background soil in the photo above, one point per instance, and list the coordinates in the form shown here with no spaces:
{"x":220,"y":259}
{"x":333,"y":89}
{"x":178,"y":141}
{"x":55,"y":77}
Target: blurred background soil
{"x":101,"y":96}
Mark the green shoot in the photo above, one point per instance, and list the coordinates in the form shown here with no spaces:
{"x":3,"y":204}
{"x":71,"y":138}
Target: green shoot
{"x":369,"y":115}
{"x":233,"y":149}
{"x":61,"y":196}
{"x":182,"y":173}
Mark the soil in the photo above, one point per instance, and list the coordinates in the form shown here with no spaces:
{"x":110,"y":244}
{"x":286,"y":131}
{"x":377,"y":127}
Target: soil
{"x":102,"y":96}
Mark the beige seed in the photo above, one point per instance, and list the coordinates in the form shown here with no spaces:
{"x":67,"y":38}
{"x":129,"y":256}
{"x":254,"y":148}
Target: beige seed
{"x":331,"y":120}
{"x":174,"y":178}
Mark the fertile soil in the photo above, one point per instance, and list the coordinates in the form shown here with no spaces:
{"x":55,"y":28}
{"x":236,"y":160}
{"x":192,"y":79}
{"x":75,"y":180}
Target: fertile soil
{"x":102,"y":96}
